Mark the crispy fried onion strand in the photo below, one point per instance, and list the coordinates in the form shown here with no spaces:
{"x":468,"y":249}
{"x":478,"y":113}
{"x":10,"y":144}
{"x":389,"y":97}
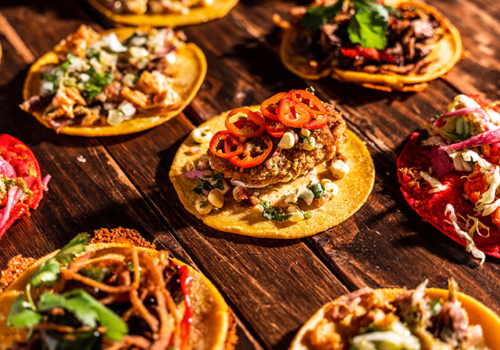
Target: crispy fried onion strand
{"x":137,"y":280}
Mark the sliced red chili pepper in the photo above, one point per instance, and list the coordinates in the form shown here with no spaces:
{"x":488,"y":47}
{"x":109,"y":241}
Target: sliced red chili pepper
{"x":187,"y":319}
{"x":275,"y":128}
{"x":249,"y":161}
{"x":252,"y":125}
{"x":230,"y":142}
{"x":292,"y":114}
{"x":358,"y":51}
{"x":317,"y":122}
{"x":269,"y":106}
{"x":311,"y":103}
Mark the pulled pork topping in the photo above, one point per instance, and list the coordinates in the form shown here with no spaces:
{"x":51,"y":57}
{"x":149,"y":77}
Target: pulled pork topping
{"x":140,"y":7}
{"x":365,"y":35}
{"x":365,"y":320}
{"x":101,"y":80}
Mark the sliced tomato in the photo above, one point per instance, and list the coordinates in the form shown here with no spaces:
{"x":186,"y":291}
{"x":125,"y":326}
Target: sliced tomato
{"x":292,"y":114}
{"x":269,"y":106}
{"x":317,"y":122}
{"x":252,"y":125}
{"x":275,"y":128}
{"x":250,"y":160}
{"x":311,"y":103}
{"x":232,"y":145}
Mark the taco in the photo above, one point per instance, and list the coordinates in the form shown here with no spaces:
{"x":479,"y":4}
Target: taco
{"x":113,"y":296}
{"x":450,"y":174}
{"x":163,"y":13}
{"x":286,"y":169}
{"x":118,"y":82}
{"x":385,"y":45}
{"x":401,"y":319}
{"x":21,"y":184}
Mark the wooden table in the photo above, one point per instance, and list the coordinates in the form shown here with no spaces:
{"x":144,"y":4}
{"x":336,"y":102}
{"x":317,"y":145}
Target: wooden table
{"x":273,"y":286}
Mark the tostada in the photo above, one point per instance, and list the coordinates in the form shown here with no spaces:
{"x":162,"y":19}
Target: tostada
{"x":286,"y":169}
{"x":385,"y":45}
{"x":161,"y":13}
{"x":112,"y":296}
{"x":21,"y":183}
{"x":117,"y":82}
{"x":450,"y":174}
{"x":401,"y":319}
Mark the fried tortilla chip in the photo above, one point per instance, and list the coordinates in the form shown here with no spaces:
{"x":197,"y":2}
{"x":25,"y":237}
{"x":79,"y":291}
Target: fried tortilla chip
{"x":445,"y":53}
{"x":188,"y":70}
{"x":213,"y":326}
{"x":233,"y":217}
{"x":197,"y":14}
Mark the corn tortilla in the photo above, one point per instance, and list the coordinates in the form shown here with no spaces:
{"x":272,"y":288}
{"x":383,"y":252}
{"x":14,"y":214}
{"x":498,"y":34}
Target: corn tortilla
{"x":196,"y":15}
{"x":188,"y":72}
{"x":478,"y":313}
{"x":447,"y":51}
{"x":212,"y":319}
{"x":233,"y":217}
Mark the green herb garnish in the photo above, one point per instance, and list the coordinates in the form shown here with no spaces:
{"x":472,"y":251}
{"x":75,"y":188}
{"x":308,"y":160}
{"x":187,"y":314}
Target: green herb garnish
{"x":318,"y":190}
{"x":273,"y":213}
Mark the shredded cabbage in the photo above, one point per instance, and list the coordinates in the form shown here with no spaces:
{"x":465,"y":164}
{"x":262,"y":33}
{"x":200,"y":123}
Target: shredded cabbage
{"x":471,"y":246}
{"x":419,"y":293}
{"x":438,"y":186}
{"x":471,"y":156}
{"x":475,"y":228}
{"x":489,"y":196}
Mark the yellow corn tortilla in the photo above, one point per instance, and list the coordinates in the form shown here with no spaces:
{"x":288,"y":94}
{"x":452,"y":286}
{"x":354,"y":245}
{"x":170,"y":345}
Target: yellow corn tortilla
{"x":447,"y":50}
{"x":478,"y":313}
{"x":196,"y":15}
{"x":212,"y":329}
{"x":188,"y":72}
{"x":233,"y":217}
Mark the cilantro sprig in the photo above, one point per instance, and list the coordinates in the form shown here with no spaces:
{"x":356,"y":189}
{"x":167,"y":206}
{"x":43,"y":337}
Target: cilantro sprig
{"x":205,"y":184}
{"x":318,"y":190}
{"x":367,"y":27}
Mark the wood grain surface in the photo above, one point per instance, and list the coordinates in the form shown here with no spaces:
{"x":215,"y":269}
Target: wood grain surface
{"x":272,"y":286}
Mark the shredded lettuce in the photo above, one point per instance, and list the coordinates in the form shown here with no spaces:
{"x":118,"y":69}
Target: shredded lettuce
{"x":471,"y":246}
{"x":438,"y":186}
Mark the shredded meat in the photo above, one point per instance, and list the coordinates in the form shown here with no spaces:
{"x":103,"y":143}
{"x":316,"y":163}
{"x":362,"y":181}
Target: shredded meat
{"x":289,"y":163}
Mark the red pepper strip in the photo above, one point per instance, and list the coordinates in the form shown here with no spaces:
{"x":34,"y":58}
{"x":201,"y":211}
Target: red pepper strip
{"x":387,"y":57}
{"x":230,"y":141}
{"x":292,"y":114}
{"x":311,"y":103}
{"x":317,"y":122}
{"x":269,"y":106}
{"x":275,"y":128}
{"x":187,"y":319}
{"x":248,"y":161}
{"x":246,"y":130}
{"x":358,"y":51}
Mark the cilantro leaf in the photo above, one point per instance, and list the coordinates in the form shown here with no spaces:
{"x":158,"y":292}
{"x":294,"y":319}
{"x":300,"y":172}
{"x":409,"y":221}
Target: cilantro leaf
{"x":21,"y":314}
{"x":368,"y":30}
{"x":87,"y":310}
{"x":273,"y":213}
{"x":435,"y":306}
{"x":46,"y":274}
{"x":95,"y":84}
{"x":49,"y":271}
{"x":315,"y":17}
{"x":318,"y":190}
{"x":74,"y":247}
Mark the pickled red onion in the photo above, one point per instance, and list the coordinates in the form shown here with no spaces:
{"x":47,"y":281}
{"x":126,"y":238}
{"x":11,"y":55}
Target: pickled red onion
{"x":193,"y":174}
{"x":45,"y":182}
{"x":482,"y":139}
{"x":14,"y":195}
{"x":6,"y":169}
{"x":469,"y":110}
{"x":441,"y":162}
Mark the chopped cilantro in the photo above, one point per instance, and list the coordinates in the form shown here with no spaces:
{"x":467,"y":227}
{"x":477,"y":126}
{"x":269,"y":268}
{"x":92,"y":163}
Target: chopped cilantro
{"x":92,"y":52}
{"x":204,"y":204}
{"x":218,"y":176}
{"x":21,"y":315}
{"x":272,"y":162}
{"x":435,"y":306}
{"x":318,"y":190}
{"x":273,"y":213}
